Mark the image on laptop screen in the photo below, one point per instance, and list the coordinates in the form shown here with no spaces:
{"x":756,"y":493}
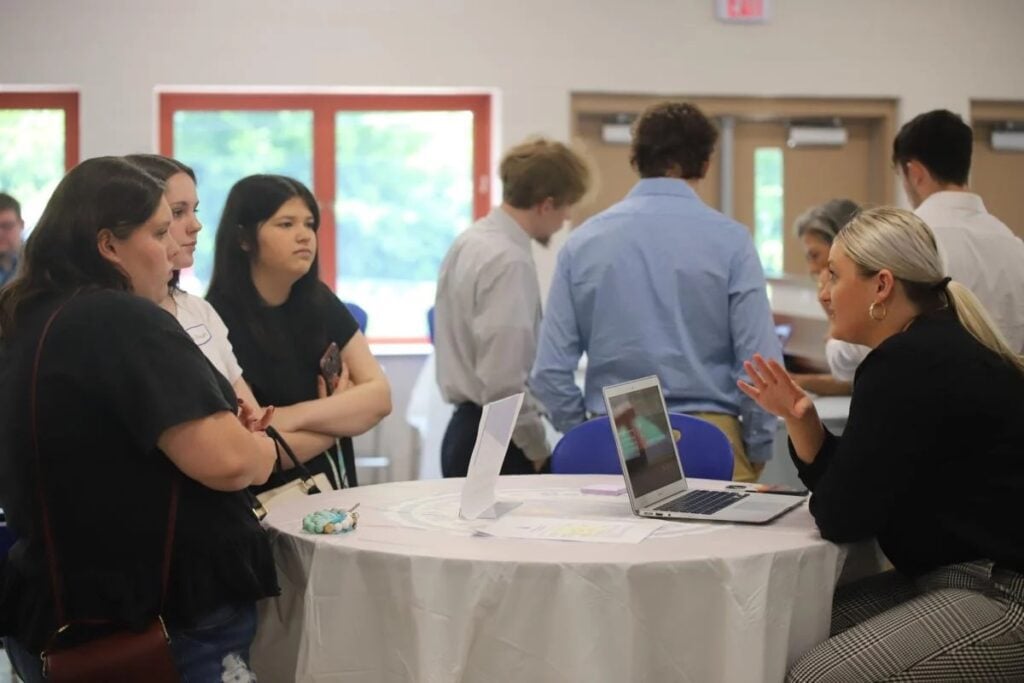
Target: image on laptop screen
{"x":643,"y":432}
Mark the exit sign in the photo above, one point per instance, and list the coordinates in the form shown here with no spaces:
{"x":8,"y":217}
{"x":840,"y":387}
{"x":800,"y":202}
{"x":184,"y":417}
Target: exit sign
{"x":742,"y":11}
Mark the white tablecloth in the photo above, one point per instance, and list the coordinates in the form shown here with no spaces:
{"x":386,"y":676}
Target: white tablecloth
{"x":412,"y":595}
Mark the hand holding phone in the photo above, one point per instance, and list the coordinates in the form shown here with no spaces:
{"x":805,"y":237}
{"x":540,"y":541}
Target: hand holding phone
{"x":330,"y":367}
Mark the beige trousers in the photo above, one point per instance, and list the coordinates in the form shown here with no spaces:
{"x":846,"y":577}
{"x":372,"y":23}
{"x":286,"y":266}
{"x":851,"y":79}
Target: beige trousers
{"x":742,"y":469}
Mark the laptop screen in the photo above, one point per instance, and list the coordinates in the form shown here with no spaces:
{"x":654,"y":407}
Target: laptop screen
{"x":642,"y":429}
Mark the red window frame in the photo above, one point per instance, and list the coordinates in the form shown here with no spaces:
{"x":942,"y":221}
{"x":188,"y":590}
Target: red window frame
{"x":68,"y":101}
{"x":324,"y":108}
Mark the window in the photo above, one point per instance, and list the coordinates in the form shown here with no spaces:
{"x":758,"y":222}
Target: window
{"x":397,"y":178}
{"x":768,"y":207}
{"x":38,"y":145}
{"x":224,"y":146}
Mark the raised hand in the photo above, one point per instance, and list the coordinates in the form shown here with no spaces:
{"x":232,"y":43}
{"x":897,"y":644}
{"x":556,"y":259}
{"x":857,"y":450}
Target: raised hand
{"x":773,"y":389}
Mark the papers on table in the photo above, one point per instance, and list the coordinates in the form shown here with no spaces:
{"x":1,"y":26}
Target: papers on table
{"x":568,"y":529}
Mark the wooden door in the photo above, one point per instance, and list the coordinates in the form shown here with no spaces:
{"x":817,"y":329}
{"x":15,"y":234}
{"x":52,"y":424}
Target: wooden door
{"x":998,"y":176}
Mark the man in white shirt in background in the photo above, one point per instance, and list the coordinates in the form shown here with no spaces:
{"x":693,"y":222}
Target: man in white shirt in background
{"x":487,"y":312}
{"x":932,"y":154}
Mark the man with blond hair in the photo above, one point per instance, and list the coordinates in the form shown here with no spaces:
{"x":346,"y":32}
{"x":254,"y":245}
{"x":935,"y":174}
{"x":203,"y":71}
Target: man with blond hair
{"x":488,"y":310}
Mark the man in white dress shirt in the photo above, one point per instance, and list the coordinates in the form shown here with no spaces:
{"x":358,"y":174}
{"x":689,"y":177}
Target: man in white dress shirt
{"x":487,"y":311}
{"x":932,"y":154}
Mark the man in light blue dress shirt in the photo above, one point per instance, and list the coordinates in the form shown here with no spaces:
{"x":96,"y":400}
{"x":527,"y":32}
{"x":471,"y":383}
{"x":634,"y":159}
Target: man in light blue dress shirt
{"x":661,"y":284}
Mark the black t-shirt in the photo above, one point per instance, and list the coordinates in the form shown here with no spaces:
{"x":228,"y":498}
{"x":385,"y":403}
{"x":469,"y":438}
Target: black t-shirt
{"x":280,"y":352}
{"x":116,"y":371}
{"x":932,"y":458}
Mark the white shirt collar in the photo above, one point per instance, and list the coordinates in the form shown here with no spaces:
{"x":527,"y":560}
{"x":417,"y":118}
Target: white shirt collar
{"x":501,"y":218}
{"x":952,"y":200}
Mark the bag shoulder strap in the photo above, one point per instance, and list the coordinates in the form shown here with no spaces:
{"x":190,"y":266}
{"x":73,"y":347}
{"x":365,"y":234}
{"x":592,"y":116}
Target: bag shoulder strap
{"x":56,"y":585}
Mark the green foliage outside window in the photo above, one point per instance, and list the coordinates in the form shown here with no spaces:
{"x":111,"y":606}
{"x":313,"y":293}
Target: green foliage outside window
{"x":223,"y":147}
{"x":768,"y":207}
{"x":31,"y":157}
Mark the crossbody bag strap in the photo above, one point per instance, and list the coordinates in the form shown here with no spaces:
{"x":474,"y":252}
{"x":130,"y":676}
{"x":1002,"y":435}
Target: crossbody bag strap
{"x":56,"y":585}
{"x":51,"y":550}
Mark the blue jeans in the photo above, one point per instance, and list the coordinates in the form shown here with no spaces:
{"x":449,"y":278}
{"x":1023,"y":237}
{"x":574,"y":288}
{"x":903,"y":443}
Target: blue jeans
{"x":214,"y":649}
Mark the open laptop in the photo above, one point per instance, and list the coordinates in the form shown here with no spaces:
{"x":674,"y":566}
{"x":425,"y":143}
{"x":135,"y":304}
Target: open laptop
{"x":654,"y":475}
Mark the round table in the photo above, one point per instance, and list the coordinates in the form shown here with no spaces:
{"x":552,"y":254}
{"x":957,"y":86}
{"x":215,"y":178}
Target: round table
{"x":414,"y":595}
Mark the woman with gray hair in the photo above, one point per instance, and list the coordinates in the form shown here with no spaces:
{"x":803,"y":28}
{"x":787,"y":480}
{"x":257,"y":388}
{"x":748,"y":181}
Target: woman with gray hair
{"x":929,"y":464}
{"x":817,"y":229}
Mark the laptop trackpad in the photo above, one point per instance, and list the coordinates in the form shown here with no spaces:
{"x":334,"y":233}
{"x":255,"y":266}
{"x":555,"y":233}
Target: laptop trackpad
{"x":757,"y":506}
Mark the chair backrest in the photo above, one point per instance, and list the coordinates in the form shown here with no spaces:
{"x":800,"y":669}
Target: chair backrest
{"x":430,"y":323}
{"x":359,"y":313}
{"x":704,"y":450}
{"x":589,"y":448}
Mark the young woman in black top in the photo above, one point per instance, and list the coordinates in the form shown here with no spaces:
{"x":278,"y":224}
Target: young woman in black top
{"x":931,"y":463}
{"x":281,"y":319}
{"x":125,"y":405}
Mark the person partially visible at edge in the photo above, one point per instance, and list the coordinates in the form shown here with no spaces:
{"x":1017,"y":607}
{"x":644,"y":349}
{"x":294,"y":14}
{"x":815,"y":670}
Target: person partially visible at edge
{"x":932,"y":155}
{"x":816,"y":229}
{"x":660,"y":283}
{"x":11,"y":227}
{"x":488,"y":308}
{"x":929,"y":464}
{"x":281,"y":318}
{"x":125,"y":404}
{"x":194,"y":313}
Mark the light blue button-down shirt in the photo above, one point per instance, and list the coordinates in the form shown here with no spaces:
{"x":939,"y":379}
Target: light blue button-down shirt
{"x":658,"y":284}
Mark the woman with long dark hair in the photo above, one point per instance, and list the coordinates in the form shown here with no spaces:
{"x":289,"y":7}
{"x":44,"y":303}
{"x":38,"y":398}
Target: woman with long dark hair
{"x":282,"y":319}
{"x":114,"y":425}
{"x":195,"y":314}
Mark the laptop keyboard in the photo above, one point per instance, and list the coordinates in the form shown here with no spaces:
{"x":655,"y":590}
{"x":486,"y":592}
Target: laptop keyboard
{"x":701,"y":502}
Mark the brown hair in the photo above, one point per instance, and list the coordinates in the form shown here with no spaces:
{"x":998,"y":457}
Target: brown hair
{"x":537,"y":169}
{"x":9,"y":203}
{"x":672,"y":134}
{"x":61,"y":254}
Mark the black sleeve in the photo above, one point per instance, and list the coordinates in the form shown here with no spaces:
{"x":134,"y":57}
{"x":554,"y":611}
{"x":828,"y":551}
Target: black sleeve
{"x":143,"y":364}
{"x":857,"y":478}
{"x":341,"y":326}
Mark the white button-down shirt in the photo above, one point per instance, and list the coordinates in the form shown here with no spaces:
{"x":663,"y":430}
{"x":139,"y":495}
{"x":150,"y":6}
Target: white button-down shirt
{"x":980,"y":252}
{"x":486,"y":318}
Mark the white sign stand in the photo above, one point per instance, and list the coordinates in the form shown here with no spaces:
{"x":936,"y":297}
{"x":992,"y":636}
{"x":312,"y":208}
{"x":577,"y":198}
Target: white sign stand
{"x":492,"y":438}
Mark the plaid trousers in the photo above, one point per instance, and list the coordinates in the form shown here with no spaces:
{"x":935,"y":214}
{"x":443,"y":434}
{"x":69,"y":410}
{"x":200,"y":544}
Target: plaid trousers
{"x":962,"y":622}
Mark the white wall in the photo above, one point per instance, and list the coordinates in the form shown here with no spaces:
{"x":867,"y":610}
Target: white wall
{"x":928,"y":53}
{"x":534,"y":53}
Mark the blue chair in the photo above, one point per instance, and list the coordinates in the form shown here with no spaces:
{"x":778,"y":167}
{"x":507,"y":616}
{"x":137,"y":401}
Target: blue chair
{"x":589,"y":448}
{"x":430,"y":323}
{"x":704,"y":449}
{"x":359,"y":313}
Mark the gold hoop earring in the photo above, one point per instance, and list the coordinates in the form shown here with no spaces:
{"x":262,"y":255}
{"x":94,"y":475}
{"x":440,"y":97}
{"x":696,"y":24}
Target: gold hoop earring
{"x":872,"y":311}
